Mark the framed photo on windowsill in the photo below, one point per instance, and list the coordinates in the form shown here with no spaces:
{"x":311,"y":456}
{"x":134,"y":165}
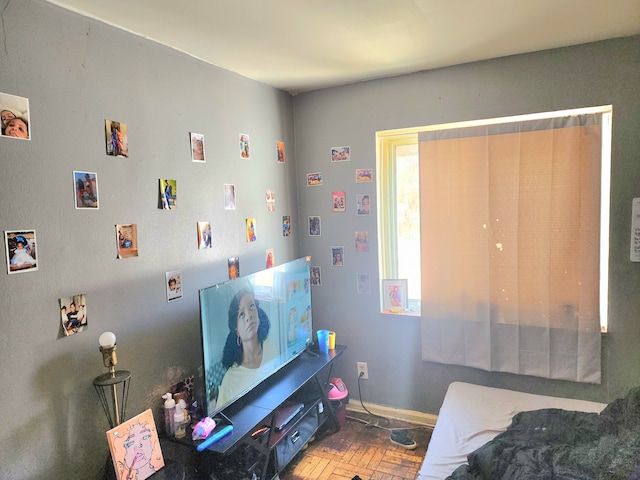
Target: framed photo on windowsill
{"x":394,"y":295}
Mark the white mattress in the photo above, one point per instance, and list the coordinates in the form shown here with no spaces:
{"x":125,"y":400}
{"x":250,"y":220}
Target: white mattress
{"x":471,"y":415}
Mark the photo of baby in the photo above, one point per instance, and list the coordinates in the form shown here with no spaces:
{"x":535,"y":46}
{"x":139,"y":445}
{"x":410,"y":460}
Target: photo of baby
{"x":21,"y":251}
{"x":14,"y":116}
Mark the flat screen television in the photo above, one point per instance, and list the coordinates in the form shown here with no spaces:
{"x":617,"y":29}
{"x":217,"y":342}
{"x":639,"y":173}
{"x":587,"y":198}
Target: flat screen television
{"x":251,"y":327}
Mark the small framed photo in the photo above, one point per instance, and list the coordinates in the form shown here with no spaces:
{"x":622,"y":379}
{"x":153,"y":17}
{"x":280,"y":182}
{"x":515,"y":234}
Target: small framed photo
{"x":394,"y":295}
{"x":173,"y":281}
{"x":73,"y":314}
{"x":233,"y":265}
{"x":314,"y":226}
{"x":116,"y":139}
{"x":197,"y":147}
{"x":316,"y":277}
{"x":229,"y":196}
{"x":21,"y":251}
{"x":362,"y":241}
{"x":204,"y":235}
{"x":340,"y":154}
{"x":363,"y":204}
{"x":14,"y":117}
{"x":364,"y":175}
{"x":314,"y":179}
{"x":127,"y":240}
{"x":364,"y":287}
{"x":337,"y":256}
{"x":280,"y":150}
{"x":85,"y":186}
{"x":245,"y":152}
{"x":167,"y":194}
{"x":339,"y":201}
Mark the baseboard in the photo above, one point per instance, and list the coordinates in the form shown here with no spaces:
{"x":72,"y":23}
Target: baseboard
{"x":412,"y":416}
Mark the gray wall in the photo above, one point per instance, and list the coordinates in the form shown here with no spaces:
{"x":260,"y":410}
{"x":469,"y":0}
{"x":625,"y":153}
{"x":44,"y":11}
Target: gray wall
{"x":588,"y":75}
{"x":77,"y":73}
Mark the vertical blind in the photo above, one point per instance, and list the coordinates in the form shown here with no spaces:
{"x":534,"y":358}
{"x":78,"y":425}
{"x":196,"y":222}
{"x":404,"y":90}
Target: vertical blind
{"x":510,"y":220}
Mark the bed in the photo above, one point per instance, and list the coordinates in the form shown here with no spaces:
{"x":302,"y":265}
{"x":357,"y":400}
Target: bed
{"x":518,"y":427}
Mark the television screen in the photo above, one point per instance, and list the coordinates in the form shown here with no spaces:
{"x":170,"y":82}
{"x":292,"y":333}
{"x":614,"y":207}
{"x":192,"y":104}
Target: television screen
{"x":251,"y":327}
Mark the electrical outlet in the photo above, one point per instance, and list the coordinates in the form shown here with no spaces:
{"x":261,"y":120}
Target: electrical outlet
{"x":363,"y":370}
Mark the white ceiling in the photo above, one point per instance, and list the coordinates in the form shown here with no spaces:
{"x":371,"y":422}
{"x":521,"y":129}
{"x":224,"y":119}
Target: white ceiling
{"x":302,"y":45}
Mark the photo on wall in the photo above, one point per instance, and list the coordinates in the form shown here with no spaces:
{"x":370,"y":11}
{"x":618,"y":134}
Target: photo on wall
{"x":234,"y":267}
{"x":314,"y":179}
{"x":270,"y":196}
{"x":337,"y":256}
{"x":135,"y":448}
{"x":314,"y":226}
{"x":364,"y":175}
{"x":85,"y":186}
{"x":270,"y":259}
{"x":73,"y":314}
{"x":362,"y":241}
{"x":173,"y":281}
{"x":339,"y":201}
{"x":286,"y":225}
{"x":14,"y":117}
{"x":116,"y":139}
{"x":197,"y":147}
{"x":21,"y":251}
{"x":229,"y":196}
{"x":340,"y":154}
{"x":204,"y":235}
{"x":316,"y":277}
{"x":167,"y":194}
{"x":245,"y":152}
{"x":364,"y":286}
{"x":127,"y":240}
{"x":280,"y":150}
{"x":251,"y":229}
{"x":363,"y":204}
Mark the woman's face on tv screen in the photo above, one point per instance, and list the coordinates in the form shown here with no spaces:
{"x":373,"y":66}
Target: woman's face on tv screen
{"x":247,"y":321}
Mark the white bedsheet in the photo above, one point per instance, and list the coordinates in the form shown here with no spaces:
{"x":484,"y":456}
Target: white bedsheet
{"x":471,"y":415}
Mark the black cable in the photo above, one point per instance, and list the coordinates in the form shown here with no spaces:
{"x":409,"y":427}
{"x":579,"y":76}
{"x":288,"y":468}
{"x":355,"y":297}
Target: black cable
{"x":380,"y":417}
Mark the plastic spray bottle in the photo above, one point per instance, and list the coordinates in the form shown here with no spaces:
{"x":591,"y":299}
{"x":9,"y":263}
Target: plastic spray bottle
{"x":169,"y":413}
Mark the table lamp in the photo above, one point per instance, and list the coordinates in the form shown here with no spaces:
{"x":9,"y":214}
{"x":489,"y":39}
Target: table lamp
{"x":108,"y":382}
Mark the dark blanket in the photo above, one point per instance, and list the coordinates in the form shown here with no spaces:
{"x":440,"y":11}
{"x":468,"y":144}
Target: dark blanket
{"x":564,"y":445}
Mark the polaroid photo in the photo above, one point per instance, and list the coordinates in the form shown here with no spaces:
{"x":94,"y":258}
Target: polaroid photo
{"x":286,"y":225}
{"x":73,"y":314}
{"x":234,"y":267}
{"x":21,"y":251}
{"x":173,"y":282}
{"x":85,"y":185}
{"x":339,"y":201}
{"x":251,"y":229}
{"x":270,"y":196}
{"x":167,"y":194}
{"x":14,"y":117}
{"x":229,"y":196}
{"x":337,"y":256}
{"x":362,"y":241}
{"x":197,"y":147}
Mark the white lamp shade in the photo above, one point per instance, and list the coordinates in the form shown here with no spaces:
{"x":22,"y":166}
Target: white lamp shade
{"x":107,"y":340}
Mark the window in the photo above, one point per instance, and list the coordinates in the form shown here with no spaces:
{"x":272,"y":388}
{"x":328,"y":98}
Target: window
{"x":498,"y":223}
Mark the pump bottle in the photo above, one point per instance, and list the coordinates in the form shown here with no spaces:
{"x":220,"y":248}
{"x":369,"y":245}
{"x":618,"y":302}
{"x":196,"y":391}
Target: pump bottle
{"x":169,"y":412}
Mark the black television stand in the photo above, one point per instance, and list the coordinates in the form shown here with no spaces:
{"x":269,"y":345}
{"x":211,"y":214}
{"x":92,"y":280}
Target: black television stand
{"x":255,"y":446}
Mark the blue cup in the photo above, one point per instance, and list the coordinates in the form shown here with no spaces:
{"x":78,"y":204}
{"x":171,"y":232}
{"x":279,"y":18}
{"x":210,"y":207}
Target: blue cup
{"x":323,"y":341}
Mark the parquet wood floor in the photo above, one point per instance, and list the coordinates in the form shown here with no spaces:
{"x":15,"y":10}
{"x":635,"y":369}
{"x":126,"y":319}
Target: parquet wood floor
{"x":359,"y":449}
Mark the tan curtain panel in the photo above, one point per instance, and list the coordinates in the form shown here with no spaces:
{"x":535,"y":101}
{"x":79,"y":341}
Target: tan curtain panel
{"x":510,"y":248}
